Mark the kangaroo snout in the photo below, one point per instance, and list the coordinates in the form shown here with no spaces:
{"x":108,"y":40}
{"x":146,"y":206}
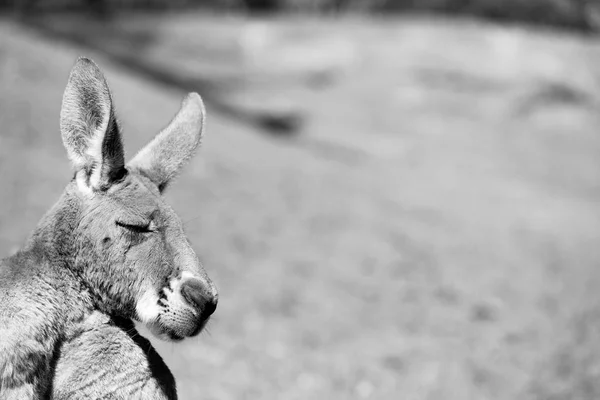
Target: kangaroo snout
{"x":199,"y":296}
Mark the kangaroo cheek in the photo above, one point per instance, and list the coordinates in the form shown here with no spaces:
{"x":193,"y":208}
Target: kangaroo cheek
{"x":147,"y":308}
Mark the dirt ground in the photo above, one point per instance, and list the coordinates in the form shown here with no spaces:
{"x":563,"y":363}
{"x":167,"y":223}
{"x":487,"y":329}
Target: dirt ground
{"x":432,"y":233}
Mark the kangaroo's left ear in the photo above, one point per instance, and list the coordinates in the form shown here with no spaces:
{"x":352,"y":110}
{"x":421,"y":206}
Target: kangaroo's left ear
{"x":162,"y":158}
{"x":89,"y":128}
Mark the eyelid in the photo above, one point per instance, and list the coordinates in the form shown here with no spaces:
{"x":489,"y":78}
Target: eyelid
{"x":149,"y":227}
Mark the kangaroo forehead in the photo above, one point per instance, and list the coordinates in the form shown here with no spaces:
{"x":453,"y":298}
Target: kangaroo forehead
{"x":138,"y":196}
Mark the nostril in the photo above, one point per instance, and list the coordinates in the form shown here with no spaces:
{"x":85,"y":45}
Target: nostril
{"x":195,"y":294}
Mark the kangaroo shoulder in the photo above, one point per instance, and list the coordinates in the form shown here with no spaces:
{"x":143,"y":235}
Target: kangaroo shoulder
{"x":35,"y":307}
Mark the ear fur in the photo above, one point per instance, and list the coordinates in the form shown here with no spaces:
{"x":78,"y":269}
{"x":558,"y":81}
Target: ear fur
{"x":89,"y":128}
{"x":162,"y":158}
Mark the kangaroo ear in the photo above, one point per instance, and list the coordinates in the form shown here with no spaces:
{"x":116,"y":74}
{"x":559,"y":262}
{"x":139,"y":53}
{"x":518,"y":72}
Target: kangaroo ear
{"x":162,"y":158}
{"x":89,"y":128}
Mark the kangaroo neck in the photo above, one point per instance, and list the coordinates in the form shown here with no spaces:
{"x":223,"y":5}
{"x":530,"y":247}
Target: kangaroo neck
{"x":54,"y":235}
{"x":53,"y":244}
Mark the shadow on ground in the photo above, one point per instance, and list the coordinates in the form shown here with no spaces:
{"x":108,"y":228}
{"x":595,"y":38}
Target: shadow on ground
{"x":128,"y":44}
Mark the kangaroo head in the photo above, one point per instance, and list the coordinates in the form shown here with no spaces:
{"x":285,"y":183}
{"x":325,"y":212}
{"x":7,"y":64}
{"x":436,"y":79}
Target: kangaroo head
{"x":129,"y":245}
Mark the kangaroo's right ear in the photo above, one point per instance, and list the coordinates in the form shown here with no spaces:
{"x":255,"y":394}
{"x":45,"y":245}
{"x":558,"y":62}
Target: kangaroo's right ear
{"x":89,"y":128}
{"x":162,"y":158}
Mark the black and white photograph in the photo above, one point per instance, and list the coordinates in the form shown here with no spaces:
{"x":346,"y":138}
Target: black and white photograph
{"x":300,"y":199}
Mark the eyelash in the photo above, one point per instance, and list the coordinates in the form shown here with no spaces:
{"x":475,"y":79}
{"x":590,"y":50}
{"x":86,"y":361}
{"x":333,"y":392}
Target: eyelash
{"x":135,"y":228}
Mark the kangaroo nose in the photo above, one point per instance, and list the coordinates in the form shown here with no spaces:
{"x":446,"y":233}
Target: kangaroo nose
{"x":195,"y":293}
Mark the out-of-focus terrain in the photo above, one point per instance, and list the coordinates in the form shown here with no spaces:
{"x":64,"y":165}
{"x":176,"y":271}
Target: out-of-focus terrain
{"x":431,"y":232}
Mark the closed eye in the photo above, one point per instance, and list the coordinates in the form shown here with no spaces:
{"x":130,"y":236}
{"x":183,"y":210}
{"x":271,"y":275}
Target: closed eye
{"x":137,"y":228}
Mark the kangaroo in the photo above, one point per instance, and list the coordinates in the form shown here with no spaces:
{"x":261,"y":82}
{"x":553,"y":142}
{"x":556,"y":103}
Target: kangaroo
{"x":108,"y":253}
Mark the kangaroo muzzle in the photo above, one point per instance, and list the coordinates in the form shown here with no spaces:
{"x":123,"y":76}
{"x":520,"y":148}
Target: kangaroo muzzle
{"x":185,"y":307}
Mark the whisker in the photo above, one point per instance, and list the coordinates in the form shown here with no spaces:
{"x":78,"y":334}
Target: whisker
{"x":193,"y":219}
{"x":207,"y":328}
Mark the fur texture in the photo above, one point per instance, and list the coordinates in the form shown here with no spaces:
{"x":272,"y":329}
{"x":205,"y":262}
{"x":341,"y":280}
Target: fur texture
{"x":110,"y":251}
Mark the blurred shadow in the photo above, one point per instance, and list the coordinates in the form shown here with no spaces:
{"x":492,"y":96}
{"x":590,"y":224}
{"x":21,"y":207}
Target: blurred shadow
{"x":101,"y":34}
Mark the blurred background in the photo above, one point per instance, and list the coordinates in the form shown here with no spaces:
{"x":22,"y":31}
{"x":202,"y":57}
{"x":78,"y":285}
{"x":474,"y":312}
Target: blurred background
{"x":397,"y":199}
